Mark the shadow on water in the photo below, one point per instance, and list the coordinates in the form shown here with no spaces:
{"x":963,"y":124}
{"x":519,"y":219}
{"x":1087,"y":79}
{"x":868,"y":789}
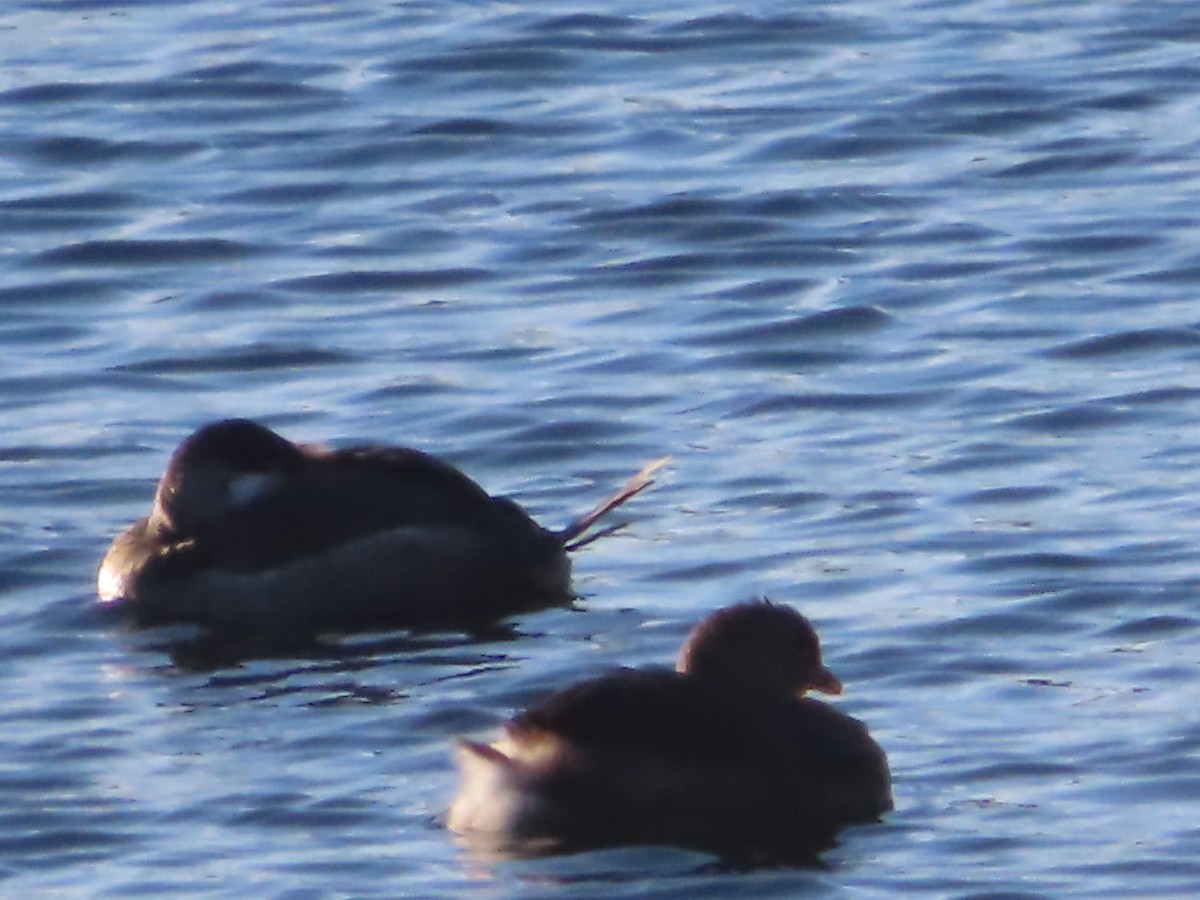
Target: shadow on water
{"x":583,"y":862}
{"x":644,"y":870}
{"x":216,"y":652}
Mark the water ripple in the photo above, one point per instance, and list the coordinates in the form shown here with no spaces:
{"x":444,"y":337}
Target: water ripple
{"x":908,"y":292}
{"x":134,"y":253}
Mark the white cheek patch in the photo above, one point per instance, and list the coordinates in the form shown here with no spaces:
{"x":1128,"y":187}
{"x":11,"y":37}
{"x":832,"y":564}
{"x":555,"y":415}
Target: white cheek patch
{"x":245,"y":489}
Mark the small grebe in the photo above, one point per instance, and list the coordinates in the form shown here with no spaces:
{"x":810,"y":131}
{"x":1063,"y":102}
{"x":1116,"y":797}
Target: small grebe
{"x":253,"y":534}
{"x":725,"y":754}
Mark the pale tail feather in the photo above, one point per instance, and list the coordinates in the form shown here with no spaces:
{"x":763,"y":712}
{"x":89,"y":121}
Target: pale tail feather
{"x":631,"y":488}
{"x":489,"y":799}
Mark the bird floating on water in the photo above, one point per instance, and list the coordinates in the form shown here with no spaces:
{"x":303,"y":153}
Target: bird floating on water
{"x":252,"y":534}
{"x":724,"y":754}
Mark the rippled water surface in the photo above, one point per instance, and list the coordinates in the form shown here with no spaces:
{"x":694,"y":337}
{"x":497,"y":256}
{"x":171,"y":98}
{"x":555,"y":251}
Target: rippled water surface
{"x":909,"y":291}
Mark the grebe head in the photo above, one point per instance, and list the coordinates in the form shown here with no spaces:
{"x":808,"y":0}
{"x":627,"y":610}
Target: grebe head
{"x":221,"y":467}
{"x":759,"y":644}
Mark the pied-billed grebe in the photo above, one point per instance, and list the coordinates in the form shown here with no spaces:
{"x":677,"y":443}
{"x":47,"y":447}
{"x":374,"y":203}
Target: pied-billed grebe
{"x":725,"y":754}
{"x":252,"y":534}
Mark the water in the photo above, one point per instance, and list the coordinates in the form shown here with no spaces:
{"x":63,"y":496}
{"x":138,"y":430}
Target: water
{"x":908,"y":290}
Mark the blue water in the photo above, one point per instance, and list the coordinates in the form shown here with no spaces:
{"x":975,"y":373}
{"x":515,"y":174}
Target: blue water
{"x":908,"y":290}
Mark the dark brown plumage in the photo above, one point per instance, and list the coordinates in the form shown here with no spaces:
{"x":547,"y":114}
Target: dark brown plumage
{"x":724,"y":755}
{"x":250,"y":533}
